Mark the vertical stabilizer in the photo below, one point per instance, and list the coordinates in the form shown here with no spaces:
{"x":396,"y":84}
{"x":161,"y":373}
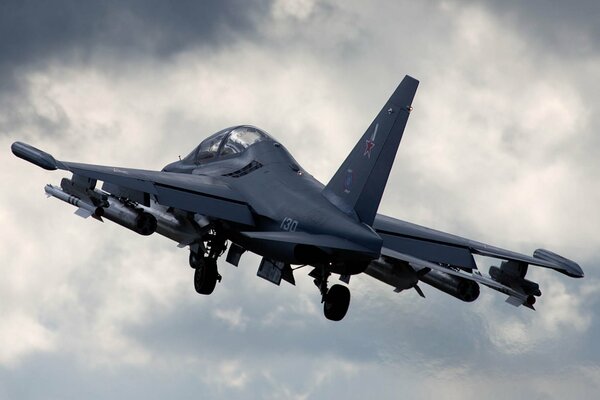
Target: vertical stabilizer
{"x":359,"y":183}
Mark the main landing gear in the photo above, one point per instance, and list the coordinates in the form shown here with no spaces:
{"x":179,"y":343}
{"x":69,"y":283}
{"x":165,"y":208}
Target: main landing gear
{"x":203,"y":258}
{"x":336,"y":300}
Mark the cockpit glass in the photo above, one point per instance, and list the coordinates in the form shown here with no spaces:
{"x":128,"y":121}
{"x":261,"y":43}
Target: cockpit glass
{"x":209,"y":147}
{"x":230,"y":141}
{"x":241,"y":138}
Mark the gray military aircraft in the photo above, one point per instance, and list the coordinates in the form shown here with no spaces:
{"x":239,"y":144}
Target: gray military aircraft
{"x":242,"y":186}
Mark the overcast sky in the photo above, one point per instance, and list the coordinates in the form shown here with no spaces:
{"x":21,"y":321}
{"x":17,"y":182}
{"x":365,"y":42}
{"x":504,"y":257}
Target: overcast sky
{"x":503,"y":146}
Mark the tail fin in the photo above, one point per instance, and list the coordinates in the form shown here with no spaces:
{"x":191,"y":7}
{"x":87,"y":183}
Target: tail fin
{"x":359,"y":183}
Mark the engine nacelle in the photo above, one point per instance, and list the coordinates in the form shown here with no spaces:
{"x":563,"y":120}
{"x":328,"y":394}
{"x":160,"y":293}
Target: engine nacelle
{"x":463,"y":289}
{"x":400,"y":276}
{"x":182,"y":227}
{"x":403,"y":276}
{"x":137,"y":220}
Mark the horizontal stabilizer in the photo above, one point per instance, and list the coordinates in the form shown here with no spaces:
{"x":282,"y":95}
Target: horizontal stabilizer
{"x":321,"y":241}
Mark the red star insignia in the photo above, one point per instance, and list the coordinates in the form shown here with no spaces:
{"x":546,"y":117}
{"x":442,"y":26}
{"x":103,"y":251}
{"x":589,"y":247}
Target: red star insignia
{"x":368,"y":147}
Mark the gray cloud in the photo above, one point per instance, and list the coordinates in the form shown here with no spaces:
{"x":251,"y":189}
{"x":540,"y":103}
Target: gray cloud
{"x":36,"y":35}
{"x":32,"y":32}
{"x":569,"y":28}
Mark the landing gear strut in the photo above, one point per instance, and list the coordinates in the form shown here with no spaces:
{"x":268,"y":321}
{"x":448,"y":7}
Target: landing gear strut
{"x":204,"y":261}
{"x":336,"y":300}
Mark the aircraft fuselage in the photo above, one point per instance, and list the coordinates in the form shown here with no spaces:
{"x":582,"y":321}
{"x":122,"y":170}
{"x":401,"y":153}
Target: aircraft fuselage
{"x":285,"y":198}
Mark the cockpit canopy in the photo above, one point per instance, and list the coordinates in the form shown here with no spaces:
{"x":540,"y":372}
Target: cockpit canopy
{"x":226,"y":143}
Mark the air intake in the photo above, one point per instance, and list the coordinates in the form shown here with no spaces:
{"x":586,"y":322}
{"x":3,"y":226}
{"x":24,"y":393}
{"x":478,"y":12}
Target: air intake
{"x":253,"y":166}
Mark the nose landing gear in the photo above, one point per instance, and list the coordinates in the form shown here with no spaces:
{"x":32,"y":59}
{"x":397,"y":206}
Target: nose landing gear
{"x":203,"y":258}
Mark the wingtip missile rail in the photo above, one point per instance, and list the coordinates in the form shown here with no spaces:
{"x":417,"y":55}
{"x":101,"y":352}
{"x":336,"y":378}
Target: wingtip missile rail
{"x":85,"y":209}
{"x":136,"y":220}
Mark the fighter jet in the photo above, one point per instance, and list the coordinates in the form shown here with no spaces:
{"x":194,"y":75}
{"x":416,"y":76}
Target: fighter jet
{"x":241,"y":190}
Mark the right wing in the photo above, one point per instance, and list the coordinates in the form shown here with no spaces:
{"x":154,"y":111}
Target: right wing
{"x":196,"y":193}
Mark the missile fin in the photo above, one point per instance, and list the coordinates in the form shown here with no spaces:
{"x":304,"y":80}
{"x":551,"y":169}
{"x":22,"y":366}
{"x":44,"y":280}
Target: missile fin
{"x":514,"y":301}
{"x":83,"y":213}
{"x":418,"y":289}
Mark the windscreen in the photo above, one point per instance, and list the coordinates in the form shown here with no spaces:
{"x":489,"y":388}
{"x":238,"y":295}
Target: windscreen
{"x":241,"y":138}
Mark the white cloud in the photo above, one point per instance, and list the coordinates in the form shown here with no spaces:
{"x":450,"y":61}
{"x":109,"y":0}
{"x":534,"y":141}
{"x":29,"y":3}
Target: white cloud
{"x":22,"y":335}
{"x":230,"y":373}
{"x":299,"y":9}
{"x":233,"y":317}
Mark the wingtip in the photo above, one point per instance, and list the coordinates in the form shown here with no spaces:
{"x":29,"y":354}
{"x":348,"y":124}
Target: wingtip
{"x":34,"y":155}
{"x":566,"y":266}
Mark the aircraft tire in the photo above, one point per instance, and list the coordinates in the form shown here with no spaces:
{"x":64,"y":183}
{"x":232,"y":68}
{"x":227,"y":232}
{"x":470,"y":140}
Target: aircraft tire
{"x":337,"y":301}
{"x":205,"y":277}
{"x":196,"y":260}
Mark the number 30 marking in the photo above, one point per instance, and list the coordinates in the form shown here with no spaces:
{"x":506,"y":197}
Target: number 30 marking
{"x":289,"y":225}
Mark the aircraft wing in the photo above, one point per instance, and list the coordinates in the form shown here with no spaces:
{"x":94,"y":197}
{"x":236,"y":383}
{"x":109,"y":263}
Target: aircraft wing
{"x":444,"y":248}
{"x":196,"y":193}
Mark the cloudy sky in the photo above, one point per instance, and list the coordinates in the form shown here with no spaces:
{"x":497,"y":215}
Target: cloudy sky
{"x":503,"y":146}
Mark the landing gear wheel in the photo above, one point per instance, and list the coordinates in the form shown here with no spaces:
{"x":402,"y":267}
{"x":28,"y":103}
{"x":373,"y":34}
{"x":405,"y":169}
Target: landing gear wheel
{"x":205,"y":277}
{"x":337,"y":301}
{"x":196,"y":260}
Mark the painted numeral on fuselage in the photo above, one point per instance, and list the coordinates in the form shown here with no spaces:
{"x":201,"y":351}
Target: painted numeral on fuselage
{"x":289,"y":224}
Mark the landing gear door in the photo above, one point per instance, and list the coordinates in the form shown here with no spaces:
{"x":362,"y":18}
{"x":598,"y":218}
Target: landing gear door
{"x":271,"y":271}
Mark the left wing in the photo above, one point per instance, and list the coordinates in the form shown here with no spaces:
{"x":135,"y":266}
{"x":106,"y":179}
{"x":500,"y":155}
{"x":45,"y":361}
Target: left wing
{"x":196,"y":193}
{"x":421,"y":247}
{"x":441,"y":247}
